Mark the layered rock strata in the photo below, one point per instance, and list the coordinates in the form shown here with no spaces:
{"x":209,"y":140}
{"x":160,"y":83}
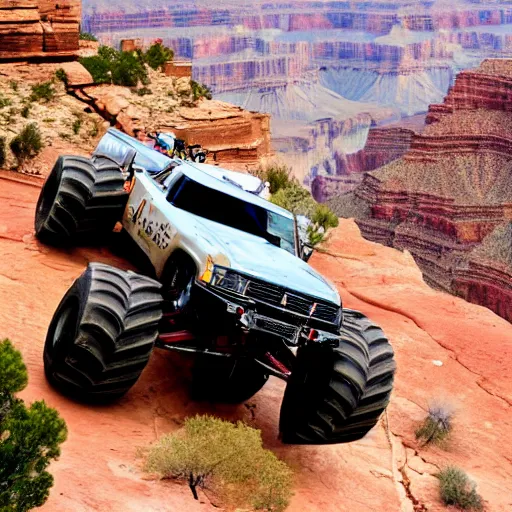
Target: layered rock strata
{"x":39,"y":28}
{"x":450,"y":197}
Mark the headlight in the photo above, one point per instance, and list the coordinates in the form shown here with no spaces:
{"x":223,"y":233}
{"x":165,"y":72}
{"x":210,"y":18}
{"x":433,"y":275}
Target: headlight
{"x":229,"y":280}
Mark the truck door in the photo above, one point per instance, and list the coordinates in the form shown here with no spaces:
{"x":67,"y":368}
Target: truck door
{"x":147,"y":220}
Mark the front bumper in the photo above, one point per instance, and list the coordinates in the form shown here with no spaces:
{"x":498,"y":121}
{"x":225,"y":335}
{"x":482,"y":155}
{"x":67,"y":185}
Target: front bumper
{"x":219,"y":313}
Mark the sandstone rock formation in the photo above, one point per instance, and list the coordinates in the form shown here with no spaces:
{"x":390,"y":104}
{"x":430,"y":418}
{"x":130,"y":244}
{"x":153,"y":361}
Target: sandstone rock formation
{"x":235,"y":138}
{"x":39,"y":28}
{"x":388,"y":470}
{"x":382,"y":146}
{"x":451,"y":191}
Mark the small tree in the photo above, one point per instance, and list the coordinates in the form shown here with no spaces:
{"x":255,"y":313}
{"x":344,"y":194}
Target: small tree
{"x":27,"y":143}
{"x":29,"y":439}
{"x":227,"y":458}
{"x":157,"y":55}
{"x":456,"y":489}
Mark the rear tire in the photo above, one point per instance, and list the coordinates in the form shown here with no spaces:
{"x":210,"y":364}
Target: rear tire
{"x":322,"y":420}
{"x":80,"y":197}
{"x":102,"y":334}
{"x":226,"y":380}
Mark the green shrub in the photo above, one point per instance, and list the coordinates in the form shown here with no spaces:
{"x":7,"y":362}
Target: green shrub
{"x":86,"y":36}
{"x":200,"y":91}
{"x":4,"y":102}
{"x":157,"y":55}
{"x":61,"y":75}
{"x":13,"y":85}
{"x":226,"y":458}
{"x":278,"y":177}
{"x":43,"y":91}
{"x":436,"y":427}
{"x":119,"y":68}
{"x":30,"y":439}
{"x":27,"y":143}
{"x":143,"y":91}
{"x":456,"y":489}
{"x":3,"y":153}
{"x":77,"y":125}
{"x":98,"y":68}
{"x":295,"y":199}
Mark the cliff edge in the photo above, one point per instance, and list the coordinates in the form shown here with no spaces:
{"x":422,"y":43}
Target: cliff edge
{"x":451,"y":191}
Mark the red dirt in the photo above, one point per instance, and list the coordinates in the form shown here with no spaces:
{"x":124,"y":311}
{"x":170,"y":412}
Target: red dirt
{"x":99,"y":470}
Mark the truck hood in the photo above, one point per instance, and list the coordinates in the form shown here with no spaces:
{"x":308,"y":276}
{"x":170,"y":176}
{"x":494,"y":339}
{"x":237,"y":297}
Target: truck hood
{"x":256,"y":257}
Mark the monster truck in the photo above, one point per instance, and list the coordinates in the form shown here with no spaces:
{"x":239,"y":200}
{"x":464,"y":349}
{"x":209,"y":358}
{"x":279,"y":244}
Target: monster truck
{"x":230,"y":285}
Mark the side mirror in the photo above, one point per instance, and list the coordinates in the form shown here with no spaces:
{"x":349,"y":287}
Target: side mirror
{"x":306,"y":252}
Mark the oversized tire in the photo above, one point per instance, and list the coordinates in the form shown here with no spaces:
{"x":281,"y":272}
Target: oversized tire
{"x":102,"y":333}
{"x":231,"y":381}
{"x":81,"y":197}
{"x":379,"y":385}
{"x":313,"y":409}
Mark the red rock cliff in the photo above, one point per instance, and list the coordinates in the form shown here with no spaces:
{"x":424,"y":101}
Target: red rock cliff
{"x":452,"y":192}
{"x":39,"y":28}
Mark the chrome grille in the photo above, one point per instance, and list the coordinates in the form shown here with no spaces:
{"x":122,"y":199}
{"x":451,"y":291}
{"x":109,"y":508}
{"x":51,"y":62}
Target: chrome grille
{"x":291,"y":301}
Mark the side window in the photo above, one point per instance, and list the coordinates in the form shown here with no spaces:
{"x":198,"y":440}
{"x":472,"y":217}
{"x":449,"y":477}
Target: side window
{"x":175,"y":186}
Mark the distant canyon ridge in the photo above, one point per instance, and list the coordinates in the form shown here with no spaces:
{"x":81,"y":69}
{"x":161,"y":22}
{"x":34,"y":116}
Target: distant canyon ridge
{"x":333,"y":75}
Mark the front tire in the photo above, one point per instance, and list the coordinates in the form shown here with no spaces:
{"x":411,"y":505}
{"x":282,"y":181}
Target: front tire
{"x":81,"y":197}
{"x":102,"y":334}
{"x":314,"y":409}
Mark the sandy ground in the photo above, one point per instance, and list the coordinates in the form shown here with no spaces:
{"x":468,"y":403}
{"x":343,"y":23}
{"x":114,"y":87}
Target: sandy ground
{"x":386,"y":471}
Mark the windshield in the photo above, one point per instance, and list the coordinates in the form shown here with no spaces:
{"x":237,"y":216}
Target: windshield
{"x":230,"y":211}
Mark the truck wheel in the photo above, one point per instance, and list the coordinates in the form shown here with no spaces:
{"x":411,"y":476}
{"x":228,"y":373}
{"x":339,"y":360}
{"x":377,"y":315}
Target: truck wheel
{"x":379,"y":386}
{"x":80,"y":197}
{"x":315,"y":424}
{"x":102,"y":334}
{"x":324,"y":389}
{"x":226,"y":380}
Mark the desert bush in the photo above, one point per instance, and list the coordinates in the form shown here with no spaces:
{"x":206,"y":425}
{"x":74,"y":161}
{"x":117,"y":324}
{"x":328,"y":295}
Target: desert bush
{"x":77,"y":125}
{"x":143,"y":91}
{"x":86,"y":36}
{"x":3,"y":153}
{"x":4,"y":102}
{"x":43,"y":91}
{"x":436,"y":427}
{"x":228,"y":459}
{"x":200,"y":91}
{"x":61,"y":75}
{"x":456,"y":489}
{"x":30,"y":437}
{"x":157,"y":55}
{"x":119,"y":68}
{"x":13,"y":84}
{"x":27,"y":143}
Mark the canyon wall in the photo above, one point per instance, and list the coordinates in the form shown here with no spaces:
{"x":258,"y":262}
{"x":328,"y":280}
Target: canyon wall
{"x":299,"y":60}
{"x":39,"y":28}
{"x":449,"y":199}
